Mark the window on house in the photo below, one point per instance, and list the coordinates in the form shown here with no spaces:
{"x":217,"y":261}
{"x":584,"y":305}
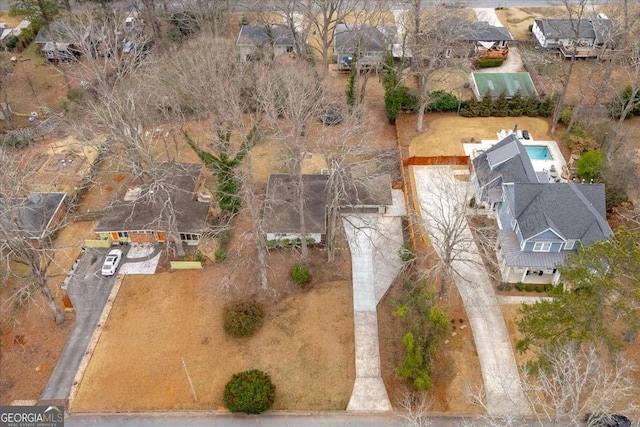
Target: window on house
{"x":569,"y":245}
{"x":541,"y":246}
{"x":123,"y":234}
{"x":189,"y":237}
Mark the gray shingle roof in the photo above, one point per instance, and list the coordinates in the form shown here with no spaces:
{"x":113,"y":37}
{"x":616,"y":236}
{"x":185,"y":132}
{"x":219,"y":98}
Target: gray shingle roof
{"x":507,"y":161}
{"x":178,"y":181}
{"x":516,"y":258}
{"x":566,"y":28}
{"x":349,"y":38}
{"x":574,"y":211}
{"x":258,"y":35}
{"x":281,"y":214}
{"x":30,"y":216}
{"x":483,"y":31}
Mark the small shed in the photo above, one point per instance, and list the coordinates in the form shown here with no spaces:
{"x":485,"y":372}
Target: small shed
{"x":507,"y":83}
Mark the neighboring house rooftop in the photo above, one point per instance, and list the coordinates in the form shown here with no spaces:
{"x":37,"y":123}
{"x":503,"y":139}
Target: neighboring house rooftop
{"x":600,"y":30}
{"x":180,"y":181}
{"x":507,"y":161}
{"x":573,"y":210}
{"x":483,"y":31}
{"x":352,"y":38}
{"x":32,"y":216}
{"x":258,"y":35}
{"x":281,"y":213}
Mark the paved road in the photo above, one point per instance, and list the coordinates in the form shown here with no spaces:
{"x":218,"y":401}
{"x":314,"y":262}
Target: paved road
{"x":274,"y":419}
{"x":89,"y":291}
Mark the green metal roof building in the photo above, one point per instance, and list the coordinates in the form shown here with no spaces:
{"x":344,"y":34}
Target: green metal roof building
{"x":497,"y":83}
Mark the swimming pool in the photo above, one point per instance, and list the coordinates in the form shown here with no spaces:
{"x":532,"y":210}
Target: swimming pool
{"x":538,"y":152}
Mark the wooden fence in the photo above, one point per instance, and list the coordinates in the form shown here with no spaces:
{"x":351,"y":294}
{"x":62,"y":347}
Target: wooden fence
{"x":437,"y":161}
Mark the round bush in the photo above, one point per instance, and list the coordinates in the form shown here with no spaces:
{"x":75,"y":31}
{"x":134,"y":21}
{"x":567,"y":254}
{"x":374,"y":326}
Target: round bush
{"x":300,"y":274}
{"x":251,"y":392}
{"x":243,"y":319}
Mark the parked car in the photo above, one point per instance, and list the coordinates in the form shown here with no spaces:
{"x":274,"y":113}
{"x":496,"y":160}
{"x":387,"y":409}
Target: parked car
{"x":128,"y":47}
{"x":111,"y":262}
{"x":607,"y":420}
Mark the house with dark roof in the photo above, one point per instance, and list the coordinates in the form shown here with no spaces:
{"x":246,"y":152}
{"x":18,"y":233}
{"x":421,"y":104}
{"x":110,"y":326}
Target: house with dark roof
{"x":281,"y":213}
{"x":264,"y":41}
{"x":541,"y":223}
{"x":505,"y":162}
{"x":33,"y":217}
{"x":172,"y":203}
{"x":583,"y":34}
{"x":485,"y":39}
{"x":370,"y":44}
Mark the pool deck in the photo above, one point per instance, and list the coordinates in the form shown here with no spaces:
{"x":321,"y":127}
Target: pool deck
{"x":557,"y":162}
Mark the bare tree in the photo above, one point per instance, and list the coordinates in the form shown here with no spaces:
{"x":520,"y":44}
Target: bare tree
{"x":323,"y":16}
{"x":292,"y":95}
{"x":443,"y":215}
{"x":575,"y":380}
{"x":431,"y":46}
{"x":25,"y":231}
{"x":576,"y":12}
{"x":414,"y":410}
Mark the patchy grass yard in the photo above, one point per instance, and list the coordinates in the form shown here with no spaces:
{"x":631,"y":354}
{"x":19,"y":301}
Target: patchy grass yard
{"x":445,"y":132}
{"x":305,"y":344}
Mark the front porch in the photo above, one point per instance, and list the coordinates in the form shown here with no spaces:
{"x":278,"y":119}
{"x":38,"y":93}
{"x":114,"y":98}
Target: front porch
{"x":526,"y":267}
{"x":527,"y":275}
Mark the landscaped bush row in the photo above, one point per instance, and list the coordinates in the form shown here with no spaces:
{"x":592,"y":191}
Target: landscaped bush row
{"x":531,"y":287}
{"x":503,"y":107}
{"x":489,"y":62}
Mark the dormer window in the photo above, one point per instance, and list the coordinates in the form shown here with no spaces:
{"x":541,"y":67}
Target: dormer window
{"x":541,"y":246}
{"x":569,"y":245}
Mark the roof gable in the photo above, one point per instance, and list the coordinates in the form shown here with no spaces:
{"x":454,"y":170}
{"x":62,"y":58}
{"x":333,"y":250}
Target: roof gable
{"x":567,"y":28}
{"x":349,"y":38}
{"x":259,"y":35}
{"x":505,"y":162}
{"x":573,"y":211}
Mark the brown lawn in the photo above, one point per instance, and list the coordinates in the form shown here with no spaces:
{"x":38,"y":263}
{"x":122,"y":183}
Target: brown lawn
{"x":306,"y":345}
{"x":445,"y":132}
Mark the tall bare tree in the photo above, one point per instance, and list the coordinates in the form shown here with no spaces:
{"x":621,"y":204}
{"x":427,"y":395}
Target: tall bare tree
{"x":24,"y":231}
{"x":443,"y":214}
{"x":576,"y":12}
{"x":293,"y":95}
{"x":440,"y":29}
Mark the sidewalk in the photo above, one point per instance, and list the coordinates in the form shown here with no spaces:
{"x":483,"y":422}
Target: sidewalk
{"x":504,"y":394}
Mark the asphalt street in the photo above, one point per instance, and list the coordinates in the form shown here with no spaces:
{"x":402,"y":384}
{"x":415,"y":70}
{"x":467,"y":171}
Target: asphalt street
{"x":277,"y":419}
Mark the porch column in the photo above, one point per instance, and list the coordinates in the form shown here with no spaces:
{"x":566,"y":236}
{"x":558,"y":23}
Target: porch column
{"x":524,"y":275}
{"x":556,"y":277}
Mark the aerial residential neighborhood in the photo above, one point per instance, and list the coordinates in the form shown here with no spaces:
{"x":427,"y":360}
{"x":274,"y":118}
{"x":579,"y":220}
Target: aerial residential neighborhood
{"x":320,"y":212}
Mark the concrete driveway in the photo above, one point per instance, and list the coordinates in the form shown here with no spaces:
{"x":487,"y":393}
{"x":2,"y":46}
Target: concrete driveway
{"x":89,"y":291}
{"x":504,"y":394}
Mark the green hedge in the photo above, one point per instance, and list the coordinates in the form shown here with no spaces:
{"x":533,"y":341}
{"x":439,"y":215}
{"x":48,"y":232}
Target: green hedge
{"x":242,"y":319}
{"x":489,"y":62}
{"x":500,"y":107}
{"x":251,"y":392}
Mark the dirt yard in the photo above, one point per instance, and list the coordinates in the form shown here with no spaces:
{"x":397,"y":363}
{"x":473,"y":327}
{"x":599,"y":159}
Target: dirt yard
{"x":307,"y":338}
{"x":456,"y":370}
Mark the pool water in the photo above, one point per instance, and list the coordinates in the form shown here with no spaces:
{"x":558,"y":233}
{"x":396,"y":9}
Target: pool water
{"x":538,"y":152}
